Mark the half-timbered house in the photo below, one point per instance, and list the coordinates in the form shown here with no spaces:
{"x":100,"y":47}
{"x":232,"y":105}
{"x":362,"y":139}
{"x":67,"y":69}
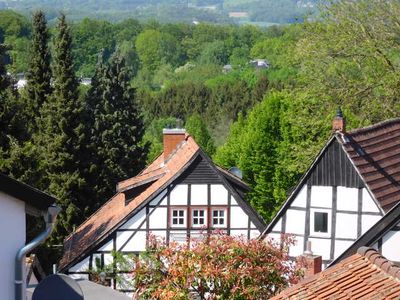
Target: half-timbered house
{"x":351,"y":184}
{"x":177,"y":197}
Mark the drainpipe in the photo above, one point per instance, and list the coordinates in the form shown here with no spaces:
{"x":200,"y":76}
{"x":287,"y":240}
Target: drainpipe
{"x":50,"y":218}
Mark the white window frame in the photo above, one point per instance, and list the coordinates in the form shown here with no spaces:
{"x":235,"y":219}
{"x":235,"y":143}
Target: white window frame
{"x":312,"y":221}
{"x":224,"y":225}
{"x":198,"y":217}
{"x":172,"y":225}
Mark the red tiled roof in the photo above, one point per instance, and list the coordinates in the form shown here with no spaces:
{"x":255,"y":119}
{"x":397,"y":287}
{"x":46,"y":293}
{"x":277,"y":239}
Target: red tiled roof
{"x":365,"y":275}
{"x":375,"y":151}
{"x":115,"y":210}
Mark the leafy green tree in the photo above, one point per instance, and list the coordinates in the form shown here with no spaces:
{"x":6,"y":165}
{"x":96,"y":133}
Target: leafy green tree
{"x":252,"y":146}
{"x":363,"y":75}
{"x":155,"y":47}
{"x":116,"y":149}
{"x":38,"y":88}
{"x":198,"y":129}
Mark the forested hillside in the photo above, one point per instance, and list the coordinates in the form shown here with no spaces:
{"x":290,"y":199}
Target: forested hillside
{"x":76,"y":141}
{"x":215,"y":11}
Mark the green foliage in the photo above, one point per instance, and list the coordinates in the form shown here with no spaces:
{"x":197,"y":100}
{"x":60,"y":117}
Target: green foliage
{"x":155,"y":47}
{"x":38,"y":77}
{"x":115,"y":130}
{"x":60,"y":135}
{"x":198,"y":129}
{"x":154,"y":136}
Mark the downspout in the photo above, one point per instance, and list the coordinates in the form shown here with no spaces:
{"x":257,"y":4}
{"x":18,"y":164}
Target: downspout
{"x":50,"y":218}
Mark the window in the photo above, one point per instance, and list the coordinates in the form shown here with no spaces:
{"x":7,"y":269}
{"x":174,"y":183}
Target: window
{"x":218,"y":217}
{"x":178,"y":218}
{"x":320,"y":222}
{"x":199,"y":217}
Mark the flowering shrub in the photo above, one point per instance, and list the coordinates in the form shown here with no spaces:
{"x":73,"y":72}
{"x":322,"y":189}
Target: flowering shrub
{"x":215,"y":266}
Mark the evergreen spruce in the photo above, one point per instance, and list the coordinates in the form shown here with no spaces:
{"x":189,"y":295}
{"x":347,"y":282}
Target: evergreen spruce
{"x":60,"y":136}
{"x":115,"y":146}
{"x":38,"y":87}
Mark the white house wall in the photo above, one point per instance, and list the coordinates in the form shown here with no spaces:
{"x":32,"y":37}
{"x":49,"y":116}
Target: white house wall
{"x":350,"y":213}
{"x":12,"y":231}
{"x":155,"y":218}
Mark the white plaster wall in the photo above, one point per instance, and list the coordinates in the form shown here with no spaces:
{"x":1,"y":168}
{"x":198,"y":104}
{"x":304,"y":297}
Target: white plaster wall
{"x":295,"y":221}
{"x":161,"y":199}
{"x":81,"y":266}
{"x":321,"y":247}
{"x":12,"y":232}
{"x":108,"y":259}
{"x":278,"y":226}
{"x":136,"y":220}
{"x":136,"y":243}
{"x":107,"y":247}
{"x":252,"y":225}
{"x":179,"y":195}
{"x":368,"y":203}
{"x":233,"y":200}
{"x":391,"y":245}
{"x":198,"y":194}
{"x":219,"y":194}
{"x":276,"y":237}
{"x":297,"y":249}
{"x":367,"y":221}
{"x":341,"y":246}
{"x":254,"y":234}
{"x":158,"y":218}
{"x":321,"y":196}
{"x":301,"y":198}
{"x":346,"y":225}
{"x":347,"y":198}
{"x":160,"y":233}
{"x":239,"y":233}
{"x":239,"y":219}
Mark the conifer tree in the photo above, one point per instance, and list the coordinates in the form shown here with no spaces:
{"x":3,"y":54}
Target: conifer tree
{"x":61,"y":135}
{"x":116,"y":148}
{"x":38,"y":87}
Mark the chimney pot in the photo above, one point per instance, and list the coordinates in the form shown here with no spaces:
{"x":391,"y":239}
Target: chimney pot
{"x":172,"y":138}
{"x":339,"y":122}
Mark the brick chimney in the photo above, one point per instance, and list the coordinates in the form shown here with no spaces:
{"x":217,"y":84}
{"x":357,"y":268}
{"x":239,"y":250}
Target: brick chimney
{"x":339,"y":123}
{"x":171,"y":139}
{"x":312,"y":263}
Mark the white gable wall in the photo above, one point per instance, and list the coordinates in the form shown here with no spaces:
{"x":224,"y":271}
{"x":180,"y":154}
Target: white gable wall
{"x":349,"y":211}
{"x":156,"y":218}
{"x":12,"y":232}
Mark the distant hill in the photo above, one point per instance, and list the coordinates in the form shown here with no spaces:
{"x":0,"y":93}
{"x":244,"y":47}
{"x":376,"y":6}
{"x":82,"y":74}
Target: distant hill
{"x":215,"y":11}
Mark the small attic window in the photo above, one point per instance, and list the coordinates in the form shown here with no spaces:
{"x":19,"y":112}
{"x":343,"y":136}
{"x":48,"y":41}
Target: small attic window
{"x":320,"y":222}
{"x":133,"y":192}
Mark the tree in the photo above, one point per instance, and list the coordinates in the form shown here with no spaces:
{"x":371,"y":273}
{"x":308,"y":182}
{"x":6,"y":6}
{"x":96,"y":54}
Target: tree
{"x":363,"y":75}
{"x":60,"y":135}
{"x":155,"y":47}
{"x":115,"y":134}
{"x":38,"y":77}
{"x":215,"y":266}
{"x":198,"y":129}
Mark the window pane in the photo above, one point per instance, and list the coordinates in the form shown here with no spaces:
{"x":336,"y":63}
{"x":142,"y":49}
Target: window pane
{"x":215,"y":213}
{"x":174,"y":221}
{"x":201,"y":213}
{"x":180,"y":221}
{"x":215,"y":221}
{"x":221,"y":221}
{"x":181,"y":213}
{"x":195,"y":221}
{"x":221,"y":213}
{"x":175,"y":213}
{"x":320,"y":222}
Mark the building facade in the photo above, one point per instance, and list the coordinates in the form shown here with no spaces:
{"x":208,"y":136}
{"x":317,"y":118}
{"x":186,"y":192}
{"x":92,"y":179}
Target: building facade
{"x":350,"y":186}
{"x":180,"y":196}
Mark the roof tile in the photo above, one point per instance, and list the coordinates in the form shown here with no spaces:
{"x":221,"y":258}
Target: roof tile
{"x":116,"y":210}
{"x":366,"y":275}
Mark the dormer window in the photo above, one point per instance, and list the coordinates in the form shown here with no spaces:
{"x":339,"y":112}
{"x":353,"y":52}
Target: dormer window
{"x":178,"y":217}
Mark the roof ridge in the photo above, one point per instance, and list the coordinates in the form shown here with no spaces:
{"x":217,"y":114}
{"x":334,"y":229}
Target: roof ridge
{"x":380,"y":261}
{"x":373,"y":126}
